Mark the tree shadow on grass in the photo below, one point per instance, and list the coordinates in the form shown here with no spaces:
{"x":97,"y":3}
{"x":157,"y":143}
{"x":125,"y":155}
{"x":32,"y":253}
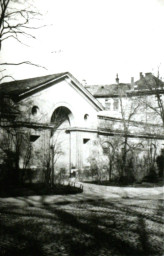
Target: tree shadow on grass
{"x":128,"y":209}
{"x":100,"y":238}
{"x":143,"y":237}
{"x":16,"y":243}
{"x":80,"y":232}
{"x":154,"y":218}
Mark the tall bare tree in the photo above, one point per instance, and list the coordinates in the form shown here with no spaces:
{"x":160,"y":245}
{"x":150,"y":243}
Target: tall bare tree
{"x":18,"y":21}
{"x":118,"y":149}
{"x":128,"y":110}
{"x":16,"y":17}
{"x":153,"y":99}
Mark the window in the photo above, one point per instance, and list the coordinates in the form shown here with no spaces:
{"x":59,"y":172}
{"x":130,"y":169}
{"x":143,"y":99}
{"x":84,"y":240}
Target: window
{"x":107,"y":104}
{"x":85,"y":141}
{"x":86,"y":116}
{"x":34,"y":110}
{"x":115,"y":104}
{"x":34,"y":137}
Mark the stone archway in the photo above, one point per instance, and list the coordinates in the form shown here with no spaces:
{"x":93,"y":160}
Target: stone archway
{"x":60,"y":142}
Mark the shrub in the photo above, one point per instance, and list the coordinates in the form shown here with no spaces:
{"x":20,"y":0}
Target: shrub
{"x":152,"y":175}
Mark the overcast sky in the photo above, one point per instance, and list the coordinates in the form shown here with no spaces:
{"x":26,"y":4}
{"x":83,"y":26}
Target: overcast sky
{"x":94,"y":40}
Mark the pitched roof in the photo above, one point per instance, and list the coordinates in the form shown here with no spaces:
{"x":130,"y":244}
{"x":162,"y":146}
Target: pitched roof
{"x":15,"y":88}
{"x":108,"y":89}
{"x":149,"y":81}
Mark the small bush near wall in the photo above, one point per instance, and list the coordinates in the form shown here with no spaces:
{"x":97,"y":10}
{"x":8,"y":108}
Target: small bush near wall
{"x":30,"y":175}
{"x":84,"y":173}
{"x":61,"y":176}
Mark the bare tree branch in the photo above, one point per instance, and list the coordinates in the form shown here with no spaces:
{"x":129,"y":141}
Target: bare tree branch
{"x":6,"y":76}
{"x":155,"y":86}
{"x":20,"y":63}
{"x":16,"y":20}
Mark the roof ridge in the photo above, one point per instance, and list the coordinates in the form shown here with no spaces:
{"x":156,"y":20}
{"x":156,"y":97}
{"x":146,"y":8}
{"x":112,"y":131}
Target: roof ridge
{"x":33,"y":78}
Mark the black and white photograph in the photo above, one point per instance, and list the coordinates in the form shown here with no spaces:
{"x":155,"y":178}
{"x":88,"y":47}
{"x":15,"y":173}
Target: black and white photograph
{"x":82,"y":128}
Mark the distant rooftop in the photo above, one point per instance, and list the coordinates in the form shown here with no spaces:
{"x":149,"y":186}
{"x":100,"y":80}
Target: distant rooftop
{"x":108,"y":89}
{"x":147,"y":82}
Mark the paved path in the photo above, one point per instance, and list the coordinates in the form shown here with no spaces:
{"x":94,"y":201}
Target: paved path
{"x":123,"y":192}
{"x":90,"y":192}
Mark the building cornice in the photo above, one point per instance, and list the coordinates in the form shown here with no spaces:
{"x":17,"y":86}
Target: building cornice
{"x":116,"y":133}
{"x":136,"y":123}
{"x":99,"y":131}
{"x":131,"y":135}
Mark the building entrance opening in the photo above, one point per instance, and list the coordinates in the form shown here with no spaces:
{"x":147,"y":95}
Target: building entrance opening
{"x":61,"y":118}
{"x":60,"y":142}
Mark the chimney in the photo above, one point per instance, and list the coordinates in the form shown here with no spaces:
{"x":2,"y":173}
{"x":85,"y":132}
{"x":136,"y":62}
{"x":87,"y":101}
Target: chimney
{"x":117,"y":79}
{"x":141,"y":75}
{"x":132,"y":82}
{"x":148,"y":74}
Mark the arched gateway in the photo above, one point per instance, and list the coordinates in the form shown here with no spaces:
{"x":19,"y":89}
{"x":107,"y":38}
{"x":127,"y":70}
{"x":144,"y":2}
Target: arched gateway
{"x":60,"y":140}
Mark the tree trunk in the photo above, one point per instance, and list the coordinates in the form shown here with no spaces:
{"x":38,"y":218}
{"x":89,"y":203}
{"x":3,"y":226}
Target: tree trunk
{"x":124,"y":157}
{"x":52,"y":167}
{"x":110,"y":170}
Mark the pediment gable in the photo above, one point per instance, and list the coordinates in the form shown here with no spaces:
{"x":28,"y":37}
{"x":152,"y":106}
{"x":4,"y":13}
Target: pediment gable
{"x":19,"y":90}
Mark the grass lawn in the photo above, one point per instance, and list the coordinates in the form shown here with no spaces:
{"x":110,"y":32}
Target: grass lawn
{"x":81,"y":225}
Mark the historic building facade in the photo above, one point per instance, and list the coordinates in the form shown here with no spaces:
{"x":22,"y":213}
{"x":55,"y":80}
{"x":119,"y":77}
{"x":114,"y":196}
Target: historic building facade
{"x":66,"y":121}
